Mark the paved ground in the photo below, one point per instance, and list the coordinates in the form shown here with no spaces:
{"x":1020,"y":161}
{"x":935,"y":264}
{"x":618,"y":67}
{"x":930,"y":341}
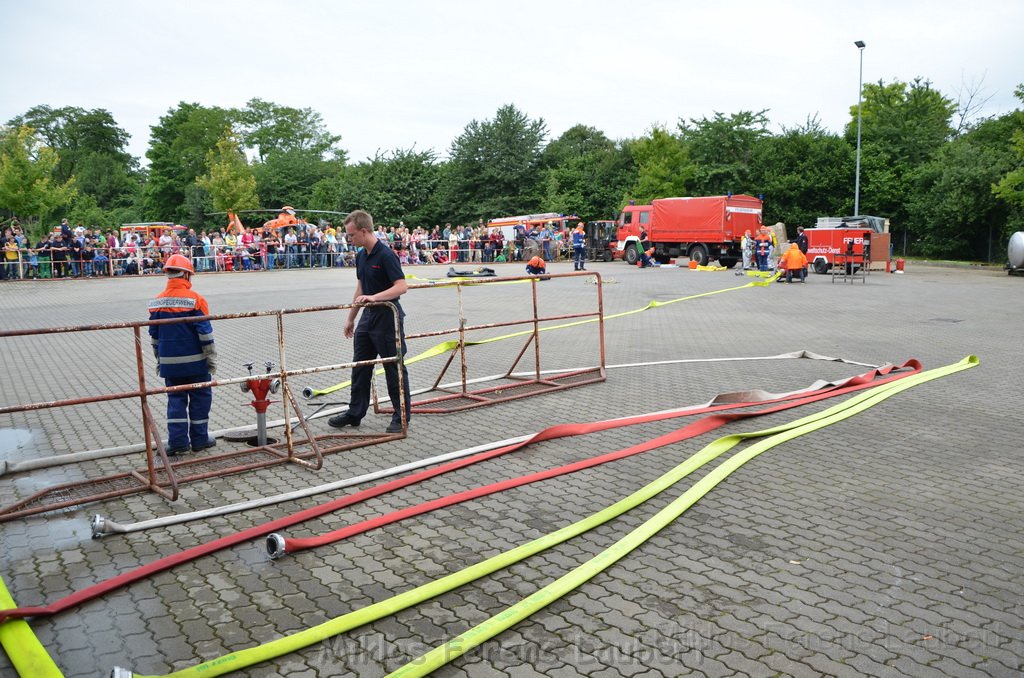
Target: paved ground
{"x":888,"y":544}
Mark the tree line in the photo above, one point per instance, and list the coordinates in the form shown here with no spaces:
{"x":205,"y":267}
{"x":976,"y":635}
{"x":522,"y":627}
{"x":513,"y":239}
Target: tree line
{"x":950,"y":187}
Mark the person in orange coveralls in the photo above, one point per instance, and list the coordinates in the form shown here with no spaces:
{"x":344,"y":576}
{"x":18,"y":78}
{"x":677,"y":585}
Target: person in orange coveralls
{"x":794,"y":261}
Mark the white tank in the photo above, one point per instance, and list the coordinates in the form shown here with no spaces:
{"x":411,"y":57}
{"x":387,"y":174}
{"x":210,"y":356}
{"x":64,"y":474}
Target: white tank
{"x":1016,"y":250}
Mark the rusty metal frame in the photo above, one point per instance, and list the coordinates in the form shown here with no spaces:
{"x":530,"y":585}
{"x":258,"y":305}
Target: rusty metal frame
{"x":463,"y":398}
{"x":163,"y":476}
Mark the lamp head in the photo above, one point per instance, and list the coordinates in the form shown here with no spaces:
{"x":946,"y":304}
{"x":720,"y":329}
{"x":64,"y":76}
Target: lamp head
{"x":860,"y":44}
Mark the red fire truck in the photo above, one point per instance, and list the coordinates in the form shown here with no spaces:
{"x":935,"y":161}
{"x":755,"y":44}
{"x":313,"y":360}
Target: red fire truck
{"x":847,"y":236}
{"x":701,"y":228}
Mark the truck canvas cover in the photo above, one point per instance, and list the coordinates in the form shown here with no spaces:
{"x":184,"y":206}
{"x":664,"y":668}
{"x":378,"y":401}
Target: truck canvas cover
{"x":707,"y":219}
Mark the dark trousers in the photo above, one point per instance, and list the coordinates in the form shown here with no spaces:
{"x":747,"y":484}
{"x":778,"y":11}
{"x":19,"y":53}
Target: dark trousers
{"x":188,"y":412}
{"x":375,"y":337}
{"x":579,"y":258}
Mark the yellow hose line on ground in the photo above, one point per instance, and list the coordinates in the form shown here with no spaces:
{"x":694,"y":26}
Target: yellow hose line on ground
{"x":26,"y":653}
{"x":452,"y":345}
{"x":241,"y":659}
{"x":486,"y":630}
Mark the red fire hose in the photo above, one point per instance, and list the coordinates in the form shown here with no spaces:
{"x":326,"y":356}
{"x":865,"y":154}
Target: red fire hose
{"x":562,"y":430}
{"x":278,"y":545}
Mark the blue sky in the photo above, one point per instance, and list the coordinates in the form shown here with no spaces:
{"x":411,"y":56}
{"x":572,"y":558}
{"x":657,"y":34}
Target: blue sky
{"x":399,"y":74}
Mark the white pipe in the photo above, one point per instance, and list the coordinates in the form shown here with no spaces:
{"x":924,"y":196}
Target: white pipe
{"x":7,"y":467}
{"x":102,"y":526}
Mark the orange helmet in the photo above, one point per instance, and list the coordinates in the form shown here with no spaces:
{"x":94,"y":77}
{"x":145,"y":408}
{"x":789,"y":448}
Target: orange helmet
{"x":176,"y":262}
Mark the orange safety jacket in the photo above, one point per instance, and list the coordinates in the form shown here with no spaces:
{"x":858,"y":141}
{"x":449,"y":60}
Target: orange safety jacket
{"x":793,"y":259}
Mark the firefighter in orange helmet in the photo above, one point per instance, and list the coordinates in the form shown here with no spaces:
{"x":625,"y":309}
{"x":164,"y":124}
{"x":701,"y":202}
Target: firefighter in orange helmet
{"x":185,"y":354}
{"x":536,"y":266}
{"x":579,"y":248}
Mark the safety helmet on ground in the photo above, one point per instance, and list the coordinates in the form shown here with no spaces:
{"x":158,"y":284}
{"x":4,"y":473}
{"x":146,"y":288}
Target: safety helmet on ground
{"x":177,"y":262}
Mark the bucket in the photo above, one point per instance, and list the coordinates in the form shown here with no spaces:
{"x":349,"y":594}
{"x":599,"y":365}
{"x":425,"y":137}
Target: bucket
{"x":692,"y":264}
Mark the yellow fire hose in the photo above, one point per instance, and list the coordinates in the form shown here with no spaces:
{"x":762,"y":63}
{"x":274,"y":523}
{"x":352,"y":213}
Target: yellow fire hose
{"x":439,"y":656}
{"x":452,"y":345}
{"x":466,"y":641}
{"x":26,"y":653}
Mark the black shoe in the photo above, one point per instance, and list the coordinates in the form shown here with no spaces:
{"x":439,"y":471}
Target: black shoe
{"x":396,"y":427}
{"x":343,"y":420}
{"x":176,"y":451}
{"x":210,"y":442}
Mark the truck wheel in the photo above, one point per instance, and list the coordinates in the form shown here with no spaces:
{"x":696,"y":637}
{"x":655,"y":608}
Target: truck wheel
{"x":699,"y":254}
{"x":631,"y":255}
{"x":820,"y":267}
{"x":607,"y":255}
{"x":727,"y":262}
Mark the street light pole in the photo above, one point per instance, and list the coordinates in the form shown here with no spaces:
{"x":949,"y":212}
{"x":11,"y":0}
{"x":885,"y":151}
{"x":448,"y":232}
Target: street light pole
{"x":860,"y":90}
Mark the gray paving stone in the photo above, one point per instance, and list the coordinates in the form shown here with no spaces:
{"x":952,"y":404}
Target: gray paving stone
{"x":900,"y":530}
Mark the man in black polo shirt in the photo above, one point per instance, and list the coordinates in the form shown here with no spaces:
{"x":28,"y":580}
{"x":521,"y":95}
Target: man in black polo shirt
{"x":379,"y":277}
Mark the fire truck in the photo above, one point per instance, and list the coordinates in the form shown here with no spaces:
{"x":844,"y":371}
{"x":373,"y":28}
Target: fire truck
{"x":151,"y":229}
{"x":861,"y":238}
{"x":700,"y":228}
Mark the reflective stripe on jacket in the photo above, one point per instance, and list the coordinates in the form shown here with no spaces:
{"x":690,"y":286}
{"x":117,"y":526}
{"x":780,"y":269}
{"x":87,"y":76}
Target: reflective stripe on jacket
{"x":181,"y":347}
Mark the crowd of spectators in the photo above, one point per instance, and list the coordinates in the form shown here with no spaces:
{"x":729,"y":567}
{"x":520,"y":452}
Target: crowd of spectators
{"x":81,"y":252}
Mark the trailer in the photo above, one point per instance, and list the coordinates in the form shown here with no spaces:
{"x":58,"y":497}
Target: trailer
{"x":861,"y":240}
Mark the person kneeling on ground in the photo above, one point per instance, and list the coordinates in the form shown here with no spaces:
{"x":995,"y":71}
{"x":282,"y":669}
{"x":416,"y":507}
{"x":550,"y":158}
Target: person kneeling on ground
{"x":794,"y":262}
{"x":536,"y":266}
{"x":646,"y":260}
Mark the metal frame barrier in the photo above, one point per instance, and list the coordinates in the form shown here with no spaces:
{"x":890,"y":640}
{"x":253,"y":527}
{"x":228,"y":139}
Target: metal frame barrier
{"x":163,"y":476}
{"x":463,"y":398}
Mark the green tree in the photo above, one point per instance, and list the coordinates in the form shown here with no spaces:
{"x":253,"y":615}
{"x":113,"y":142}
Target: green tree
{"x":1010,"y":187}
{"x":586,"y":173}
{"x":396,"y":186}
{"x":28,"y":187}
{"x":269,"y":128}
{"x":904,"y":127}
{"x":663,"y":167}
{"x":803,"y":173}
{"x":493,"y":167}
{"x":909,"y":122}
{"x":92,"y":148}
{"x":722,"y":149}
{"x":288,"y":177}
{"x":229,"y":180}
{"x":177,"y":156}
{"x":959,"y":213}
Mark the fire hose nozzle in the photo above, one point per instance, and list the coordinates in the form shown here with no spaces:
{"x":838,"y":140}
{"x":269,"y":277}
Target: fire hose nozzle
{"x":307,"y":392}
{"x":275,"y":546}
{"x":118,"y":672}
{"x":99,"y":527}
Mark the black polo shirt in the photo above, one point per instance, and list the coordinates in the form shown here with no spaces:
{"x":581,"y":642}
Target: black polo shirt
{"x":377,"y":270}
